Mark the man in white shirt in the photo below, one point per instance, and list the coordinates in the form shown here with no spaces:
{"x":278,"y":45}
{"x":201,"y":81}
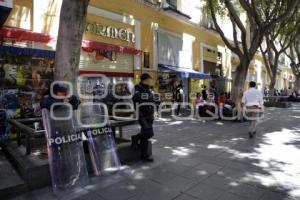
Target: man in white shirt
{"x":253,"y":101}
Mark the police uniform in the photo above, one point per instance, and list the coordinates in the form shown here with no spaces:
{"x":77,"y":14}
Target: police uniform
{"x":143,"y":94}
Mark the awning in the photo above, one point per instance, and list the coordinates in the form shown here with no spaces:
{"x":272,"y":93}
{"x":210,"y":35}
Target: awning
{"x":109,"y":74}
{"x":24,"y":35}
{"x":184,"y":72}
{"x":89,"y":46}
{"x":27,"y":52}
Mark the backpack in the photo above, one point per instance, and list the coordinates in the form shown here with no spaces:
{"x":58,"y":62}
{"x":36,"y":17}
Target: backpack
{"x":2,"y":116}
{"x":3,"y":126}
{"x":179,"y":94}
{"x":2,"y":73}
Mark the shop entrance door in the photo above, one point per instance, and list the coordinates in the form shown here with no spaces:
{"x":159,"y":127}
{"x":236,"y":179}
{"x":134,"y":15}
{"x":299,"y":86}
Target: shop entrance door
{"x":185,"y":82}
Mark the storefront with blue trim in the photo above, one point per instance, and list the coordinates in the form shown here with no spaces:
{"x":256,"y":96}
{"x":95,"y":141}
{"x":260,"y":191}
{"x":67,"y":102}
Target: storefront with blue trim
{"x":25,"y":77}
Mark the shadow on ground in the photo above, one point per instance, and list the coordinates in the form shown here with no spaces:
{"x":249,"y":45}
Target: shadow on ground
{"x":209,"y":160}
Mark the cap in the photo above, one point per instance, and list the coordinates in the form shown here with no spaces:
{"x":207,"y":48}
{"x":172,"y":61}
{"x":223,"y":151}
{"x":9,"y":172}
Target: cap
{"x":59,"y":88}
{"x":145,"y":76}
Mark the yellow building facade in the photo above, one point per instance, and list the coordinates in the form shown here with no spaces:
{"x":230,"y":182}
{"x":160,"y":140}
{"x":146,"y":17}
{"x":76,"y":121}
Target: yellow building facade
{"x":132,"y":35}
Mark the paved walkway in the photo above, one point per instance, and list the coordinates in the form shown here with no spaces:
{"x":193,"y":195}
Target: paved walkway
{"x":9,"y":176}
{"x":207,"y":161}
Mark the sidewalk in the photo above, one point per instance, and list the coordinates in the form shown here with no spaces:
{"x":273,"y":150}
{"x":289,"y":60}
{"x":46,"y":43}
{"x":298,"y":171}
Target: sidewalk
{"x":207,"y":161}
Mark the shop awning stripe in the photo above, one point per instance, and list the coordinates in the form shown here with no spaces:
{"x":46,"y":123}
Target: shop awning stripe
{"x":184,"y":72}
{"x":115,"y":74}
{"x":89,"y":46}
{"x":24,"y":35}
{"x":27,"y":52}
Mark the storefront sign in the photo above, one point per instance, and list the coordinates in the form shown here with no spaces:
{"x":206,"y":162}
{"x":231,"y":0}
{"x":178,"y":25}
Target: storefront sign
{"x":98,"y":131}
{"x":110,"y":31}
{"x":65,"y":139}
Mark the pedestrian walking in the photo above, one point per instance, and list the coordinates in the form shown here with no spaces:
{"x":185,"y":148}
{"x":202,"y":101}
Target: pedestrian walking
{"x":214,"y":91}
{"x":253,"y":101}
{"x":179,"y":97}
{"x":143,"y":94}
{"x":266,"y":92}
{"x":204,"y":93}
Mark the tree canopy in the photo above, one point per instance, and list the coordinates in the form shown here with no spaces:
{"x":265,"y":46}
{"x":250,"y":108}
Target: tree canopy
{"x":277,"y":40}
{"x":261,"y":17}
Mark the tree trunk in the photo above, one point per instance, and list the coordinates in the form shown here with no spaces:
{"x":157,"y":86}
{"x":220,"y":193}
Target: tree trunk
{"x":239,"y":82}
{"x":71,"y":28}
{"x":273,"y":77}
{"x":272,"y":85}
{"x":297,"y":82}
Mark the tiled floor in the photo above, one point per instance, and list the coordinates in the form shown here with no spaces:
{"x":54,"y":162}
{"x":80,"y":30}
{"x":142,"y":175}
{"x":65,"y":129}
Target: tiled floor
{"x":213,"y":160}
{"x":8,"y":175}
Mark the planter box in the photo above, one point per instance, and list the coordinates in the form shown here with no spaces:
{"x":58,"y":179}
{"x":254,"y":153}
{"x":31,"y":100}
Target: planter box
{"x":278,"y":104}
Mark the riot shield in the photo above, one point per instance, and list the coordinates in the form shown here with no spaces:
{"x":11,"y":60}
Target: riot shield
{"x":102,"y":146}
{"x":3,"y":127}
{"x":65,"y":149}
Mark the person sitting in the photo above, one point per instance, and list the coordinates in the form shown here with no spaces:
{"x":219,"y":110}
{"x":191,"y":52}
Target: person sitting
{"x":221,"y":99}
{"x":199,"y":100}
{"x":294,"y":96}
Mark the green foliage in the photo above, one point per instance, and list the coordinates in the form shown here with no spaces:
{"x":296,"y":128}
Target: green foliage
{"x":263,"y":17}
{"x":219,"y":8}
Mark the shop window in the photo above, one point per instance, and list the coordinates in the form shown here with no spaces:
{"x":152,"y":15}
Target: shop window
{"x":24,"y":80}
{"x":172,"y":7}
{"x":172,"y":3}
{"x":213,"y":68}
{"x":167,"y":82}
{"x":106,"y":61}
{"x":152,"y":2}
{"x":146,"y":60}
{"x":109,"y":90}
{"x":172,"y":50}
{"x":210,"y":24}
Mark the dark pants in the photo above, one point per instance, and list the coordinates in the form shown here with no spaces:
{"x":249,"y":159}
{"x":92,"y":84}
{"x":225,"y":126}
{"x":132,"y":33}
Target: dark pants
{"x":178,"y":108}
{"x":146,"y":133}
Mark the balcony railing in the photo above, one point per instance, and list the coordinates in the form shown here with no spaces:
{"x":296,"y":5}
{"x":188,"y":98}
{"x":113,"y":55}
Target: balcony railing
{"x":167,"y":5}
{"x":170,"y":6}
{"x":151,"y":3}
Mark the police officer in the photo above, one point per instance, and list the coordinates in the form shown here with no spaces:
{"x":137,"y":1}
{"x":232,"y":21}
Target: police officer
{"x":143,"y":94}
{"x":60,"y":91}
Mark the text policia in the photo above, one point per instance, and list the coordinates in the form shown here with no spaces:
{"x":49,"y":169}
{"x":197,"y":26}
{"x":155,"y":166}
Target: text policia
{"x":77,"y":136}
{"x":128,"y":107}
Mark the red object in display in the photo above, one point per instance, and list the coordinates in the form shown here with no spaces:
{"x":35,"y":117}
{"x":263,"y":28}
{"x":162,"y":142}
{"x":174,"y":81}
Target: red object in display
{"x":90,"y":46}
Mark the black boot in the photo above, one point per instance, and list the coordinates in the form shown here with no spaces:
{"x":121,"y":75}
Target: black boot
{"x":250,"y":135}
{"x":144,"y":151}
{"x":135,"y":139}
{"x":147,"y":159}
